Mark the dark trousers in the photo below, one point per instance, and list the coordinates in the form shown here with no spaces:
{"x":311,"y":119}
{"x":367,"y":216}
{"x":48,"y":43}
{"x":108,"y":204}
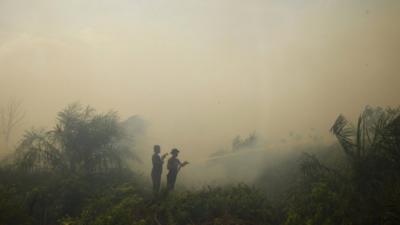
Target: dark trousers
{"x":171,"y":179}
{"x":156,"y":178}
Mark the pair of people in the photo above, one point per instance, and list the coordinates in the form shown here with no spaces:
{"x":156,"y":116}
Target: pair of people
{"x":173,"y":166}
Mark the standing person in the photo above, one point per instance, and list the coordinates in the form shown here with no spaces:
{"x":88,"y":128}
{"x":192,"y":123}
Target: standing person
{"x":156,"y":172}
{"x":173,"y":166}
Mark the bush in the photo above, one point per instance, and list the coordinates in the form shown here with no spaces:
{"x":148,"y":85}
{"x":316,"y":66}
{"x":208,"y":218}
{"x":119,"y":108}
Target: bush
{"x":239,"y":204}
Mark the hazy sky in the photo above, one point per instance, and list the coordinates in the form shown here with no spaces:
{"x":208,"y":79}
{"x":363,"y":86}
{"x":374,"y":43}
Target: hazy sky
{"x":202,"y":71}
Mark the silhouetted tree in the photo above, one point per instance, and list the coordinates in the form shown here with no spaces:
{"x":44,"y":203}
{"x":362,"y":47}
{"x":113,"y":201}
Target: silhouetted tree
{"x":249,"y":142}
{"x":11,"y":116}
{"x":82,"y":140}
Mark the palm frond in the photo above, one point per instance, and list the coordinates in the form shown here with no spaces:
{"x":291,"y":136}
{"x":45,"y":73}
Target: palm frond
{"x":344,"y":132}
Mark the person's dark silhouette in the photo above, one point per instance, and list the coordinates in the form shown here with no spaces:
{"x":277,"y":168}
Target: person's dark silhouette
{"x":156,"y":172}
{"x":173,"y":166}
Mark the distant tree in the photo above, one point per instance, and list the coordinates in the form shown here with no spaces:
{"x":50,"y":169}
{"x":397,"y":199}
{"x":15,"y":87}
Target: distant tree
{"x":38,"y":151}
{"x":238,"y":143}
{"x":11,"y":116}
{"x":82,"y":140}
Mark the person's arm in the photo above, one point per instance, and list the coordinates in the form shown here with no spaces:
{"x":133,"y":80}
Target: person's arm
{"x":182,"y":164}
{"x":164,"y":156}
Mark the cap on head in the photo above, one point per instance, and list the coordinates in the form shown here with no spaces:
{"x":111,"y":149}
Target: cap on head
{"x":157,"y":148}
{"x":174,"y":151}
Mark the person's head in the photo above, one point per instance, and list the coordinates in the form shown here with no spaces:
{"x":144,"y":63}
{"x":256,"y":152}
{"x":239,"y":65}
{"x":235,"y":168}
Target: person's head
{"x":174,"y":152}
{"x":157,"y":149}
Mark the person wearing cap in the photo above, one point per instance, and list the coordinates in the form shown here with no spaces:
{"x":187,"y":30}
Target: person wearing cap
{"x":156,"y":172}
{"x":173,"y":166}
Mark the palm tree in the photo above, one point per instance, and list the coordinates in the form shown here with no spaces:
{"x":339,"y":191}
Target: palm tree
{"x":82,"y":140}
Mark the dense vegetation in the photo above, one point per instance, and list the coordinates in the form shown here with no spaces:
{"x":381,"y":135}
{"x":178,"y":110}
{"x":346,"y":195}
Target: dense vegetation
{"x":77,"y":174}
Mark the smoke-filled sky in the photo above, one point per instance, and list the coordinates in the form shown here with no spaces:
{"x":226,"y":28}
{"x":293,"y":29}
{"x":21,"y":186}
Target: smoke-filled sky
{"x":202,"y":71}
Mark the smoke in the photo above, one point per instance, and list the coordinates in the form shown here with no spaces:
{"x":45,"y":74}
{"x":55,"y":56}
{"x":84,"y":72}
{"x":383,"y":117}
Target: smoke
{"x":202,"y":72}
{"x":251,"y":159}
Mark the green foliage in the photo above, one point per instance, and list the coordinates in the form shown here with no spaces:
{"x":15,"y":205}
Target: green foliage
{"x":44,"y":198}
{"x":232,"y":205}
{"x":115,"y":206}
{"x":239,"y":204}
{"x":11,"y":210}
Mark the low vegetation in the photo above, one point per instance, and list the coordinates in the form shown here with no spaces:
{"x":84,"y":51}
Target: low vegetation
{"x":77,"y":174}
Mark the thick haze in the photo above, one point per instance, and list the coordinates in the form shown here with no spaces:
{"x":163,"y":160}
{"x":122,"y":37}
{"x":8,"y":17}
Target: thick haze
{"x":202,"y":72}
